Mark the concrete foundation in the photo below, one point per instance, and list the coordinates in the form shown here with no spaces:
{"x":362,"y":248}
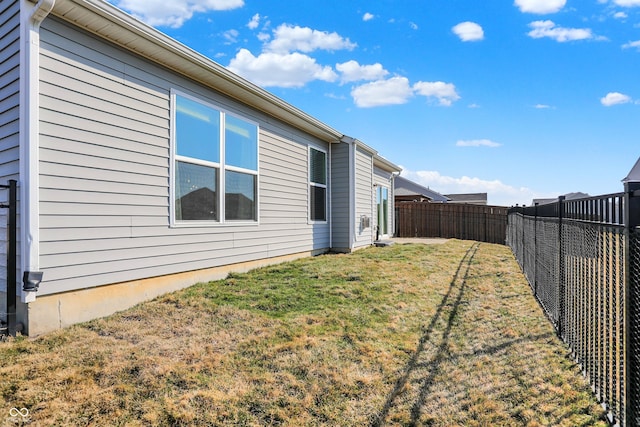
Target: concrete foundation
{"x":50,"y":312}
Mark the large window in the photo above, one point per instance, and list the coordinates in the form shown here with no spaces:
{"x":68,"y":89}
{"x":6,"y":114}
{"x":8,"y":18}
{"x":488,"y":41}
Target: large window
{"x":317,"y":185}
{"x":215,"y":164}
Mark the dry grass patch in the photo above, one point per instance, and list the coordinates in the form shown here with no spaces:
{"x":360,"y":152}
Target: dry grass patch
{"x":403,"y":335}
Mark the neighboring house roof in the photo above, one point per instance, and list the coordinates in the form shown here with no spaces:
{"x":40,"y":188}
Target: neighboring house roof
{"x":113,"y":24}
{"x":543,"y":201}
{"x":634,"y":174}
{"x":471,"y":198}
{"x":568,"y":196}
{"x":405,"y":188}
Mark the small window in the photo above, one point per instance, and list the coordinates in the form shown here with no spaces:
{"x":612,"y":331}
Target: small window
{"x":317,"y":185}
{"x":207,"y":185}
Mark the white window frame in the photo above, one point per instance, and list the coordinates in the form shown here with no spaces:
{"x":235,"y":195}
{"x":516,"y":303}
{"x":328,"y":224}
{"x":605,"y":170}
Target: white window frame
{"x":221,"y":167}
{"x":317,"y":184}
{"x":382,"y":214}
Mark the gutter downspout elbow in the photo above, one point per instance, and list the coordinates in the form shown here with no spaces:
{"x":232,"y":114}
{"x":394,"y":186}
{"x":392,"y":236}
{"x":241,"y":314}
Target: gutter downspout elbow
{"x":42,"y":9}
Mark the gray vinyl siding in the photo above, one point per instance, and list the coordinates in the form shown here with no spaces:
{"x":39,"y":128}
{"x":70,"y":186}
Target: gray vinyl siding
{"x":340,"y":193}
{"x":9,"y":114}
{"x":105,"y":164}
{"x":364,"y":200}
{"x":383,"y":179}
{"x":9,"y":90}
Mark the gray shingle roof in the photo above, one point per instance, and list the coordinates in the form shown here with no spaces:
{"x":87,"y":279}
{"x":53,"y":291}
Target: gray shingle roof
{"x":634,"y":174}
{"x":404,"y":187}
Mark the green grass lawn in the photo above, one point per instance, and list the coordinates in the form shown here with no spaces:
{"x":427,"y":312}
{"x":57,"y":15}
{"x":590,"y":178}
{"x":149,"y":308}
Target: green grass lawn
{"x":437,"y":335}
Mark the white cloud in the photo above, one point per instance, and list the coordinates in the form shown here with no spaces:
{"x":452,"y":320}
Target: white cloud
{"x":631,"y":45}
{"x":282,"y":70}
{"x":615,"y":98}
{"x":477,"y":143}
{"x":542,"y":107}
{"x":175,"y":12}
{"x":352,"y":71}
{"x":627,"y":3}
{"x":367,"y":17}
{"x":549,"y":29}
{"x":620,"y":15}
{"x":413,"y":25}
{"x":469,"y":31}
{"x":445,"y":93}
{"x":282,"y":64}
{"x":304,"y":39}
{"x":334,"y":96}
{"x":540,"y":6}
{"x":231,"y":36}
{"x":255,"y":21}
{"x":393,"y":91}
{"x":498,"y":193}
{"x":397,"y":90}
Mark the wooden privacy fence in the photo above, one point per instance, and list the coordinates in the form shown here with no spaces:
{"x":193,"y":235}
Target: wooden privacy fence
{"x":468,"y":222}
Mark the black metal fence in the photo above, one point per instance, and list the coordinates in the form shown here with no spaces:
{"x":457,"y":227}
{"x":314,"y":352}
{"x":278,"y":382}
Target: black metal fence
{"x":582,"y":260}
{"x":10,"y":204}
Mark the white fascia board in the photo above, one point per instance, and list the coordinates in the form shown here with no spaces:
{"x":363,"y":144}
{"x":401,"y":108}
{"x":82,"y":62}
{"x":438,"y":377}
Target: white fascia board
{"x":378,"y":160}
{"x":386,"y":165}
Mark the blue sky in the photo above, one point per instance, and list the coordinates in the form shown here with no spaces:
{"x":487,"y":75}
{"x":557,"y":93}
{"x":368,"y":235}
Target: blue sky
{"x":520,"y":99}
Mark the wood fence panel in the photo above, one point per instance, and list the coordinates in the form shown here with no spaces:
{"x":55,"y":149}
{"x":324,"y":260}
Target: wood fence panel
{"x":468,"y":222}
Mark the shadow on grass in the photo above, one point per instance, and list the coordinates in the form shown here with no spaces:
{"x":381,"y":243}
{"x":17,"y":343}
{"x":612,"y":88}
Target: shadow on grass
{"x":447,"y":310}
{"x":435,"y":362}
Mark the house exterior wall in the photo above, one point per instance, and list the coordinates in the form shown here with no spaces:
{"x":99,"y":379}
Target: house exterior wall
{"x":105,"y":173}
{"x":340,"y":195}
{"x":363,"y":198}
{"x":9,"y":121}
{"x":9,"y":90}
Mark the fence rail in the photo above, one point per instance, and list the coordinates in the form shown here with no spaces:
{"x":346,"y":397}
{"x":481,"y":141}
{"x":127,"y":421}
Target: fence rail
{"x":582,"y":261}
{"x":472,"y":222}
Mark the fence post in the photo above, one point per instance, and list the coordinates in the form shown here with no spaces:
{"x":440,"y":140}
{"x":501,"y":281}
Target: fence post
{"x":535,"y":249}
{"x":632,"y":310}
{"x":11,"y":258}
{"x":524,"y":251}
{"x":561,"y":282}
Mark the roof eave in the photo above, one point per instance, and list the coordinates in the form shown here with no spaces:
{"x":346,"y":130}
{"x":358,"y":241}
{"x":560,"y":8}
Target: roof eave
{"x":385,"y":164}
{"x":112,"y":24}
{"x":378,"y":160}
